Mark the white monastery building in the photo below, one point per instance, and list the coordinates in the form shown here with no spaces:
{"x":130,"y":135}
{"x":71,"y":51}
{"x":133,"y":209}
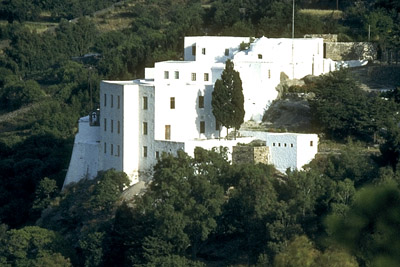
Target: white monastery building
{"x":170,"y":109}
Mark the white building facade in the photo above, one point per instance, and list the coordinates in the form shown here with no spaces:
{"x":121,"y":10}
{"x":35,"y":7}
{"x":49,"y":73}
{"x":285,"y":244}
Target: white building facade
{"x":170,"y":109}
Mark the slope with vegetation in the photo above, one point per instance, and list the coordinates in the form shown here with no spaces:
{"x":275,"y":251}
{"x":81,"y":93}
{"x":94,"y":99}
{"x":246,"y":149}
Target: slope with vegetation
{"x":198,"y":211}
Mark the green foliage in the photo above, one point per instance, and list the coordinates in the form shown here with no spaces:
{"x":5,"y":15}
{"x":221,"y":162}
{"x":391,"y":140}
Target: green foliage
{"x":341,"y":109}
{"x":45,"y":192}
{"x":227,"y":98}
{"x":17,"y":94}
{"x":33,"y":245}
{"x":301,"y":252}
{"x":369,"y":227}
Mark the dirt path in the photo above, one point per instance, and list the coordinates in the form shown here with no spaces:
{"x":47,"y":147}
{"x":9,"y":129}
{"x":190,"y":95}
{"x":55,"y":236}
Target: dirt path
{"x":13,"y":114}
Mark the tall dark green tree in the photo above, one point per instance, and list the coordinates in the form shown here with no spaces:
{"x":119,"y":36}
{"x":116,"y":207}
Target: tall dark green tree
{"x":227,"y":98}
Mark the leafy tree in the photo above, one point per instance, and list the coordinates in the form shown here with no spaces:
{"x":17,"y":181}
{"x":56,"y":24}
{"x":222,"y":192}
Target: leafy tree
{"x":369,"y":228}
{"x":45,"y":192}
{"x":36,"y":246}
{"x":251,"y":206}
{"x":227,"y":98}
{"x":341,"y":109}
{"x":21,"y":93}
{"x":191,"y":199}
{"x":390,"y":149}
{"x":301,"y":252}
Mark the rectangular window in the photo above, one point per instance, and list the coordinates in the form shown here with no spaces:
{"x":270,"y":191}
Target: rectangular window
{"x":145,"y":102}
{"x":167,"y":132}
{"x":269,"y":74}
{"x":157,"y":155}
{"x":217,"y":126}
{"x":118,"y":151}
{"x":176,"y":75}
{"x":112,"y":100}
{"x":105,"y":100}
{"x":227,"y":52}
{"x":259,"y":56}
{"x":105,"y":124}
{"x":311,"y":143}
{"x":206,"y":77}
{"x":166,"y":74}
{"x":105,"y":148}
{"x":193,"y":76}
{"x":273,"y":144}
{"x":172,"y":102}
{"x":291,"y":145}
{"x":144,"y":128}
{"x":112,"y":149}
{"x":112,"y":125}
{"x":119,"y":127}
{"x":202,"y":127}
{"x":201,"y":101}
{"x":193,"y":50}
{"x":203,"y":51}
{"x":145,"y":151}
{"x":119,"y":102}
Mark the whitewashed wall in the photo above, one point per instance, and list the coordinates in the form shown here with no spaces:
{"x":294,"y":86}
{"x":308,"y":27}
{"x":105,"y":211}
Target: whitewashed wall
{"x":84,"y":161}
{"x":214,"y":47}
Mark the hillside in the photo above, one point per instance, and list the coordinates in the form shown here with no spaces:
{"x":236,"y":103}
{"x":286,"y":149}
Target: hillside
{"x":292,"y":112}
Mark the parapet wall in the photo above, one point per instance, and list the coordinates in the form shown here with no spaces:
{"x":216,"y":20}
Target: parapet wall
{"x":350,"y":51}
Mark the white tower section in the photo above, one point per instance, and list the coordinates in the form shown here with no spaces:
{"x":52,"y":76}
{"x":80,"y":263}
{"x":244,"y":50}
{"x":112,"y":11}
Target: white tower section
{"x":126,"y":126}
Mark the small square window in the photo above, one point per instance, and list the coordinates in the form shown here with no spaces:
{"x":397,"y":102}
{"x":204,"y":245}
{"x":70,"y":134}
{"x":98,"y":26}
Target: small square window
{"x":145,"y":151}
{"x":206,"y":77}
{"x":201,"y":101}
{"x":202,"y":127}
{"x":166,"y":74}
{"x":172,"y":103}
{"x":259,"y":56}
{"x":176,"y":75}
{"x":193,"y":76}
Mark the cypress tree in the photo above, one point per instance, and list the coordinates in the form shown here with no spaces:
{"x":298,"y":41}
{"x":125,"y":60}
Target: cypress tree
{"x":227,"y":98}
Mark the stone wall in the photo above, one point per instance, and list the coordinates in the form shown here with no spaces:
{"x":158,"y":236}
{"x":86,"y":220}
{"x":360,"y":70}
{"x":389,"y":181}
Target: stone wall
{"x":252,"y":155}
{"x":327,"y":37}
{"x":350,"y":51}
